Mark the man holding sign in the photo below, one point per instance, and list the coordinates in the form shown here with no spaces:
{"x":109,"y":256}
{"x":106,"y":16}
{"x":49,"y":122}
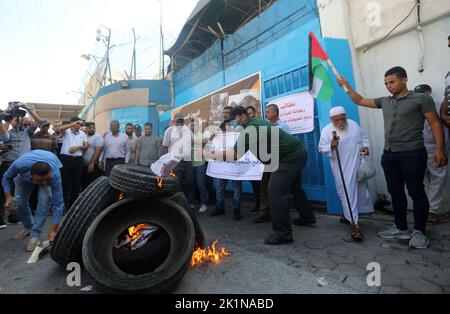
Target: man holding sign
{"x":283,"y":155}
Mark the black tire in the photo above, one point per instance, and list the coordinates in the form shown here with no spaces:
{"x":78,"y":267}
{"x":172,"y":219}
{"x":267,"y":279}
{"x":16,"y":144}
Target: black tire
{"x":99,"y":239}
{"x":137,"y":181}
{"x":69,"y":239}
{"x":180,"y":199}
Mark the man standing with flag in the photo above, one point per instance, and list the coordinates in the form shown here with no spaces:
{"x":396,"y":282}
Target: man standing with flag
{"x":404,"y":158}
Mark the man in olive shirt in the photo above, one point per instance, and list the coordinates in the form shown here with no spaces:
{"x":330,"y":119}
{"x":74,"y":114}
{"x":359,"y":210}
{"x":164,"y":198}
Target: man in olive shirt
{"x":404,"y":159}
{"x":285,"y":157}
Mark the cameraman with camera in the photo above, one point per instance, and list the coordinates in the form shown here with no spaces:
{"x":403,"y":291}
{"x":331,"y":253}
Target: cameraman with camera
{"x":74,"y":144}
{"x":17,"y":142}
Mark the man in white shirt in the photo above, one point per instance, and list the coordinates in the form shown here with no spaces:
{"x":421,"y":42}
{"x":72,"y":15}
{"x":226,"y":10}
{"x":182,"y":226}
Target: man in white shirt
{"x":178,"y":141}
{"x":115,"y":148}
{"x":74,"y":144}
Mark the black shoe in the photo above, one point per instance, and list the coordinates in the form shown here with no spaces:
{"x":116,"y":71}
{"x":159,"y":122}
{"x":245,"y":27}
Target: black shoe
{"x":237,"y":215}
{"x":254,"y":210}
{"x":13,"y":219}
{"x":274,"y":240}
{"x":263,"y":216}
{"x":216,"y":212}
{"x":2,"y":223}
{"x":301,"y":222}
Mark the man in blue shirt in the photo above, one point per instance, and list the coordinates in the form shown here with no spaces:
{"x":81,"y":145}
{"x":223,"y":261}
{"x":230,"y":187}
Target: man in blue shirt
{"x":41,"y":168}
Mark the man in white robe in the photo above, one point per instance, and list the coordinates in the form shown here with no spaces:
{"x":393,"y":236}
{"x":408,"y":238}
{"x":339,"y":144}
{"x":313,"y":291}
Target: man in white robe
{"x":352,"y":141}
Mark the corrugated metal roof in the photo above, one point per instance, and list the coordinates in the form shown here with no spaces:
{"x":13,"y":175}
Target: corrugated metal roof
{"x":197,"y":36}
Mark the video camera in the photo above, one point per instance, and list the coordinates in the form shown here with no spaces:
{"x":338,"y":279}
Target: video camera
{"x":13,"y":110}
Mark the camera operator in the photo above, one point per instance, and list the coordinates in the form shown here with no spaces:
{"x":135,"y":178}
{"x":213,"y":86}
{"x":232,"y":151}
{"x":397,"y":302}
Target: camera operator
{"x":17,"y":141}
{"x":74,"y":144}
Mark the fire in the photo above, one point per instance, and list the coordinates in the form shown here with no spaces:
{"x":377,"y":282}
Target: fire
{"x":159,"y":181}
{"x":135,"y":231}
{"x":200,"y":257}
{"x":121,"y":196}
{"x":171,"y":174}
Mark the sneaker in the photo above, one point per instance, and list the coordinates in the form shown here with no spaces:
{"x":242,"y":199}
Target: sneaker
{"x":395,"y":233}
{"x":13,"y":219}
{"x":254,"y":210}
{"x":217,"y":211}
{"x":202,"y":208}
{"x":22,"y":234}
{"x":2,"y":223}
{"x":418,"y":240}
{"x":32,"y":244}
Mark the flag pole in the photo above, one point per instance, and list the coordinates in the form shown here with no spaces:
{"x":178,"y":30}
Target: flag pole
{"x":336,"y":73}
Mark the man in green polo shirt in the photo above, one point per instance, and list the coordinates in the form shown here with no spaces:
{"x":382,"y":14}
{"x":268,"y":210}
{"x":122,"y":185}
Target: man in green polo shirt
{"x":285,"y":157}
{"x":404,"y":159}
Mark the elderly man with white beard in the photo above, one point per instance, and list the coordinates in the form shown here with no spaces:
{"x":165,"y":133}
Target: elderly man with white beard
{"x":351,"y":142}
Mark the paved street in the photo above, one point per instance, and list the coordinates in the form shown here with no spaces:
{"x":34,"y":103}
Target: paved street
{"x":320,"y":251}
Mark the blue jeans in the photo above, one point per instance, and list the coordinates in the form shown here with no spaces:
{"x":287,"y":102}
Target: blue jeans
{"x":200,"y":180}
{"x":220,"y":193}
{"x":36,"y":223}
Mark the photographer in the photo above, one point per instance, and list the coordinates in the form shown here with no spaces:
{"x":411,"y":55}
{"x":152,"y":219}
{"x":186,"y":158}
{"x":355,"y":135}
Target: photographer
{"x":17,"y":140}
{"x":74,"y":144}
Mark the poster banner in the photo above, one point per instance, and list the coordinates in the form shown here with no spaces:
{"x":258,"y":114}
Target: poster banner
{"x":247,"y":168}
{"x":246,"y":92}
{"x":297,"y":111}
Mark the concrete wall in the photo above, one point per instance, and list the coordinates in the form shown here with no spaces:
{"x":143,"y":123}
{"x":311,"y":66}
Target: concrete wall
{"x":354,"y":21}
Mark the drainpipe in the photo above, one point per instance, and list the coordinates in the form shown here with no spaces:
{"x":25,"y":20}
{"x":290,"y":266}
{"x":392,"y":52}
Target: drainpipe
{"x":421,"y":41}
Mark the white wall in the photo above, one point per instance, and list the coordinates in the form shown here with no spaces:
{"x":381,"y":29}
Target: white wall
{"x":348,"y":19}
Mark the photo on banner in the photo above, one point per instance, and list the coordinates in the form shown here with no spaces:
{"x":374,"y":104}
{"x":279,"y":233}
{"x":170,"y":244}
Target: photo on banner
{"x":246,"y":92}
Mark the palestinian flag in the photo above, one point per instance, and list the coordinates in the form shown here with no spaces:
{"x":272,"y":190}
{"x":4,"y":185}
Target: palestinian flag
{"x":320,"y":85}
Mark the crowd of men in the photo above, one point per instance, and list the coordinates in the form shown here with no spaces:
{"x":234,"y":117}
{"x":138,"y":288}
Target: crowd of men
{"x":42,"y":168}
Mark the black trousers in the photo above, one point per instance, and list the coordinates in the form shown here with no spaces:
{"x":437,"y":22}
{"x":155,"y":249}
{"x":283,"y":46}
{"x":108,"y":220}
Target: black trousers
{"x":88,"y":178}
{"x":408,"y":168}
{"x":185,"y":176}
{"x":286,"y":179}
{"x":210,"y":188}
{"x":110,"y":163}
{"x":71,"y":174}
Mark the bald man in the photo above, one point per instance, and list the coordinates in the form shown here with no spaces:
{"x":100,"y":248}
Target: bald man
{"x":352,"y":141}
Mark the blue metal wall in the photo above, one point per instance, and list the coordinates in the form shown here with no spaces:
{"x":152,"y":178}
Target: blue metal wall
{"x":276,"y":45}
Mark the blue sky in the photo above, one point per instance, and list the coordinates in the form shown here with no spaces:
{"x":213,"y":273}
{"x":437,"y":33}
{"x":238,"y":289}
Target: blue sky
{"x":41,"y":42}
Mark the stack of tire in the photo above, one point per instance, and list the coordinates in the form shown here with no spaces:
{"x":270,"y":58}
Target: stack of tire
{"x":110,"y":205}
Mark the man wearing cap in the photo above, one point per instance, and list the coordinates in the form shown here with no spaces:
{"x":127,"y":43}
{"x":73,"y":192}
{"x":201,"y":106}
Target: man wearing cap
{"x":352,"y":141}
{"x":178,"y":141}
{"x":74,"y":144}
{"x":285,"y":156}
{"x":435,"y":177}
{"x":42,"y":139}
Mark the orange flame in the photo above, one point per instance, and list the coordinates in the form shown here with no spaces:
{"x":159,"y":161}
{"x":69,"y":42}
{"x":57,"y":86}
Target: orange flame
{"x":135,"y":231}
{"x":199,"y":257}
{"x":159,"y":181}
{"x":172,"y":174}
{"x":121,"y":196}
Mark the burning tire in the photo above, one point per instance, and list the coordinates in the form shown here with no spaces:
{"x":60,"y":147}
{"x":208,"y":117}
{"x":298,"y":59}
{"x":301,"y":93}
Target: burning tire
{"x":180,"y":199}
{"x":105,"y":236}
{"x":140,"y":181}
{"x":69,"y":239}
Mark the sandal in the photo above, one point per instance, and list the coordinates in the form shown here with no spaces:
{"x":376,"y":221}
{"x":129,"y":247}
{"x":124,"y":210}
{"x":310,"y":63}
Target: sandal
{"x":357,"y":234}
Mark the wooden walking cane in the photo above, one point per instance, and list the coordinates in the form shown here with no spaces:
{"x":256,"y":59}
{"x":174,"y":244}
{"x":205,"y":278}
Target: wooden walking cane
{"x":335,"y":137}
